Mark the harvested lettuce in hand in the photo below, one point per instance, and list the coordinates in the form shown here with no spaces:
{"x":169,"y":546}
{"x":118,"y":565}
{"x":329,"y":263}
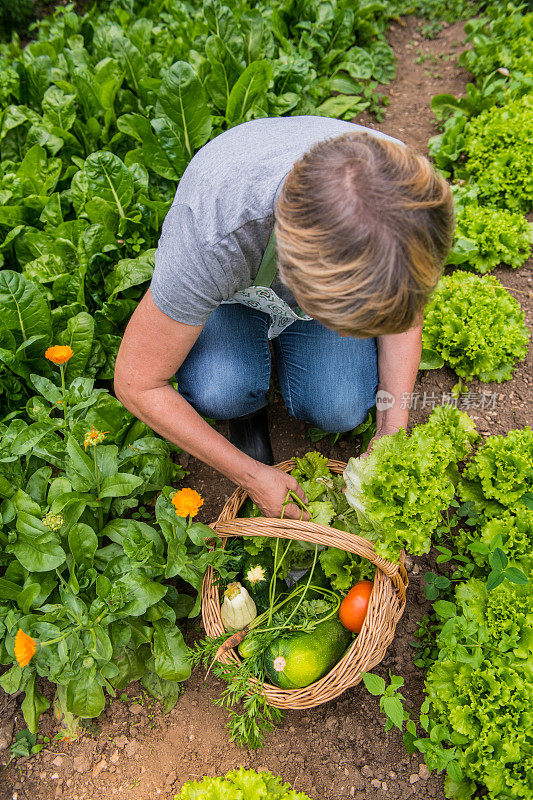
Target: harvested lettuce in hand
{"x":401,"y":489}
{"x":313,"y":475}
{"x":321,"y":512}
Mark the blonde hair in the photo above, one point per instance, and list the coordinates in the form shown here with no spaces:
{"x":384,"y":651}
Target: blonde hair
{"x":363,"y":228}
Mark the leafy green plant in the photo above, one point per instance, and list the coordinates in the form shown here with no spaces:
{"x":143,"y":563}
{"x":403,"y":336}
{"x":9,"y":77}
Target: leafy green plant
{"x":240,"y":784}
{"x":512,"y":534}
{"x":500,"y":475}
{"x":486,"y":237}
{"x":391,"y":703}
{"x":501,"y":41}
{"x":401,"y":489}
{"x":25,"y":745}
{"x":89,"y":587}
{"x":499,"y":150}
{"x":473,"y":324}
{"x":478,"y":691}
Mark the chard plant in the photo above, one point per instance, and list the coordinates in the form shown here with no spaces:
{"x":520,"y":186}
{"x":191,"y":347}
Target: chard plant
{"x":89,"y":597}
{"x":92,"y":144}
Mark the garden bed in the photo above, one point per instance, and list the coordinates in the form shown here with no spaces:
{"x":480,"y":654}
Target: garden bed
{"x":135,"y":752}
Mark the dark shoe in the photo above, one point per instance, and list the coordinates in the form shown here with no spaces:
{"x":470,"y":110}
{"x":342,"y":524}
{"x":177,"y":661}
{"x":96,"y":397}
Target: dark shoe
{"x":250,"y":434}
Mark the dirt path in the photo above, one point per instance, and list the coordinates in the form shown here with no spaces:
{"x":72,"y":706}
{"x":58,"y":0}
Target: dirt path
{"x":340,"y":750}
{"x":425,"y":67}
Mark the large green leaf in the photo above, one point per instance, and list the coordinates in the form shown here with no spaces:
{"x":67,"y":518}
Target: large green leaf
{"x":33,"y":705}
{"x":9,"y":590}
{"x":80,"y":467}
{"x":225,"y":71}
{"x":166,"y":158}
{"x":79,"y":334}
{"x":36,"y":547}
{"x":182,"y":99}
{"x":28,"y":438}
{"x":25,"y":312}
{"x":131,"y":665}
{"x":252,"y":84}
{"x":130,"y":272}
{"x":109,"y":180}
{"x":83,"y":543}
{"x":59,"y":109}
{"x":119,"y":485}
{"x":85,"y":696}
{"x":170,"y":652}
{"x":141,"y":593}
{"x":38,"y":173}
{"x":343,"y":106}
{"x":167,"y":692}
{"x":45,"y":387}
{"x":35,"y":79}
{"x":131,"y":61}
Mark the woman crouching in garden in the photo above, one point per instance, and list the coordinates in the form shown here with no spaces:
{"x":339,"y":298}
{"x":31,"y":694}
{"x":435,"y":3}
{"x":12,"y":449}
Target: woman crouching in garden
{"x":319,"y":237}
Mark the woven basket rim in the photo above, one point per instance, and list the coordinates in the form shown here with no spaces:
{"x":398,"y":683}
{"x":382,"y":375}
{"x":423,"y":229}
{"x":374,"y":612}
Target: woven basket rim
{"x":388,"y":595}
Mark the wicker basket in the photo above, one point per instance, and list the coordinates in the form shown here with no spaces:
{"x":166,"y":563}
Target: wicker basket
{"x":386,"y":607}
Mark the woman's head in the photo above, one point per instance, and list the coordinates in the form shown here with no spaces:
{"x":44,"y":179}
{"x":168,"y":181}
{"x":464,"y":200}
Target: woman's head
{"x":363,"y":228}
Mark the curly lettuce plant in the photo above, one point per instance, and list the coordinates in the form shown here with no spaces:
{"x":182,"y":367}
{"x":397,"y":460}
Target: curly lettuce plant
{"x":486,"y":237}
{"x":474,"y":325}
{"x":479,"y":693}
{"x":513,"y":534}
{"x":499,"y":152}
{"x":500,"y":475}
{"x":401,"y":489}
{"x":240,"y":784}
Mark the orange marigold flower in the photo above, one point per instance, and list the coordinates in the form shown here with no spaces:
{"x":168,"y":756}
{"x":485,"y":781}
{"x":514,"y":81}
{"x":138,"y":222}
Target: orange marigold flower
{"x":25,"y":648}
{"x":59,"y":353}
{"x":93,"y":437}
{"x":187,"y":502}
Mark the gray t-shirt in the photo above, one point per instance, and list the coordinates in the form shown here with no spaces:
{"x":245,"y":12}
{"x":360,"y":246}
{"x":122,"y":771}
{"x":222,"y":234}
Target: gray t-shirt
{"x":218,"y":226}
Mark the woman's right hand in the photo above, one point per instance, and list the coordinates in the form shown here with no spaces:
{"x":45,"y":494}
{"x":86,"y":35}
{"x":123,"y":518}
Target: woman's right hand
{"x":268,"y":489}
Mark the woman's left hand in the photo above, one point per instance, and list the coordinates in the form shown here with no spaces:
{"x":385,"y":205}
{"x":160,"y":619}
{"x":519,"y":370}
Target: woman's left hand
{"x":384,"y":432}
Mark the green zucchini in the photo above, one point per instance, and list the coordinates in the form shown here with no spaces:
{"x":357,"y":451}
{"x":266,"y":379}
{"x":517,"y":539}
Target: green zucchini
{"x":249,"y":647}
{"x":299,"y":659}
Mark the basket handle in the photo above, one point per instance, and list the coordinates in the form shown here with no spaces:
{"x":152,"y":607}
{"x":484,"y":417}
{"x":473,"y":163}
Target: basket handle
{"x":317,"y":534}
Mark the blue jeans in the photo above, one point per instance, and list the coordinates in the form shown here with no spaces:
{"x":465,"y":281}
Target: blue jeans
{"x":326,"y":379}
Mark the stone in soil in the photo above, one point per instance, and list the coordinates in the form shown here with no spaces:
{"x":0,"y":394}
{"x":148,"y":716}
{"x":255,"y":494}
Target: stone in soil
{"x":121,"y":742}
{"x":131,"y":748}
{"x":81,"y":764}
{"x":100,"y":767}
{"x":6,"y":734}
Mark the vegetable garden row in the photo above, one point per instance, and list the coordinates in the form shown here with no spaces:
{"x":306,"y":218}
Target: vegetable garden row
{"x":101,"y":554}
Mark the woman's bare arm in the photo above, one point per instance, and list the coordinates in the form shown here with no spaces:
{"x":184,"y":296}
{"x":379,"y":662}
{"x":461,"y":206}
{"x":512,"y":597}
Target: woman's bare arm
{"x":153,"y":348}
{"x":398,"y":361}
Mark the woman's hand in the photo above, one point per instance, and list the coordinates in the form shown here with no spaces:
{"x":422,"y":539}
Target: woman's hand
{"x":268,"y":488}
{"x":387,"y":431}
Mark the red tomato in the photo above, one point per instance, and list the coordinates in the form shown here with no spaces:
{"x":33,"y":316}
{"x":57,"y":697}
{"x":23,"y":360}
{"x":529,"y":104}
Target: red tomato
{"x":352,"y":611}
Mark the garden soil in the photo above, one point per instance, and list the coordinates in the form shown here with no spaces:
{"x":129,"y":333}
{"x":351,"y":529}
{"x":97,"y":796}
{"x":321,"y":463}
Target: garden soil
{"x":339,"y":750}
